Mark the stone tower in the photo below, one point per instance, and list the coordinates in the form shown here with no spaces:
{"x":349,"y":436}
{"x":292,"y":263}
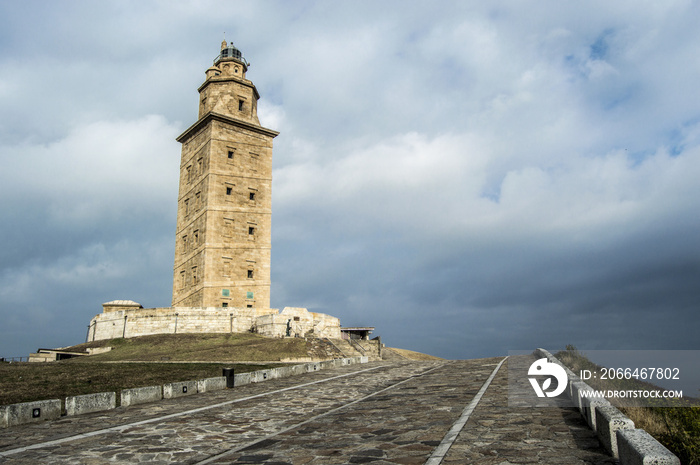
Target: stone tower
{"x":222,"y":251}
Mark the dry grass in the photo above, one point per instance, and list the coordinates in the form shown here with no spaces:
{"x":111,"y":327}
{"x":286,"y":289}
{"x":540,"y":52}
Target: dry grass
{"x":27,"y":382}
{"x":411,"y":355}
{"x":147,"y":361}
{"x":198,"y":347}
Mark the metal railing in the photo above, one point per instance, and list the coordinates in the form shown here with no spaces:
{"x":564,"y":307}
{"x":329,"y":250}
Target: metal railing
{"x":14,"y":359}
{"x":336,"y":347}
{"x":357,"y":346}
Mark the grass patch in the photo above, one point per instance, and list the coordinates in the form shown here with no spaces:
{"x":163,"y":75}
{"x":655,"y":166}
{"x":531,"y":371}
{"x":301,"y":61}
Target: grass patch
{"x":677,"y":428}
{"x":197,"y":347}
{"x":152,"y":360}
{"x":27,"y":382}
{"x":413,"y":355}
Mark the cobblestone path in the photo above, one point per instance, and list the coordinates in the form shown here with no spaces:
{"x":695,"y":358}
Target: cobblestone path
{"x":381,"y":413}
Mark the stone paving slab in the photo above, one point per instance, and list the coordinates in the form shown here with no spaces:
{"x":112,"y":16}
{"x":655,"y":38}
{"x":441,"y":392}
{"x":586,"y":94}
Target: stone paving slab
{"x":499,"y":434}
{"x":380,"y":413}
{"x":401,"y":425}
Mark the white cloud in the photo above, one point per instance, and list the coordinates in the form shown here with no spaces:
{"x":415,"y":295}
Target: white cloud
{"x":416,"y":183}
{"x":102,"y":170}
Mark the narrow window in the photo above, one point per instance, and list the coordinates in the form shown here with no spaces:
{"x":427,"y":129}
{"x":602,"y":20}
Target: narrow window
{"x":184,"y":244}
{"x":224,"y":304}
{"x":250,"y":274}
{"x":251,"y":231}
{"x":252,"y":196}
{"x":195,"y":239}
{"x":240,"y":105}
{"x":182,"y":280}
{"x":230,"y":154}
{"x":187,"y":207}
{"x":194,"y":275}
{"x":229,"y":190}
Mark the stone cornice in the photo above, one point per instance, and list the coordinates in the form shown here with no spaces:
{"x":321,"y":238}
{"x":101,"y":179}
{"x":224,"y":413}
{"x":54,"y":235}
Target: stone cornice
{"x":243,"y":82}
{"x":211,"y":116}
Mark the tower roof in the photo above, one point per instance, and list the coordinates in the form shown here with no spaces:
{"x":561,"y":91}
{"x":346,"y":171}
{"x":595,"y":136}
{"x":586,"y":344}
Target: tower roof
{"x":230,"y":52}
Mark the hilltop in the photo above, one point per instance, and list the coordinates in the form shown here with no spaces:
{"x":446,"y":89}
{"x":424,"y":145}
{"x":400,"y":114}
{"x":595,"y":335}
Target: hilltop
{"x":236,"y":347}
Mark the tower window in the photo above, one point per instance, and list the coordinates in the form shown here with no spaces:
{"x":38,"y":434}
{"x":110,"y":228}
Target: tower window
{"x":250,"y":274}
{"x":230,"y":154}
{"x":224,"y":304}
{"x":252,"y":196}
{"x":229,"y":190}
{"x":251,"y":230}
{"x":241,"y":104}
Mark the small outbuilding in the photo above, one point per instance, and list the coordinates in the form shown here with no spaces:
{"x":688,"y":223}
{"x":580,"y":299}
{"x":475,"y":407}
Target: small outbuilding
{"x":358,"y":333}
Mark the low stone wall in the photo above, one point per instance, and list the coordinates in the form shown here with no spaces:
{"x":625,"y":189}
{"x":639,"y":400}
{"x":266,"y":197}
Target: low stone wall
{"x":17,"y":414}
{"x":88,"y":403}
{"x":28,"y":412}
{"x":132,"y":321}
{"x":183,"y":388}
{"x":211,"y":384}
{"x":141,"y":395}
{"x":298,"y":322}
{"x":615,"y":431}
{"x":639,"y":448}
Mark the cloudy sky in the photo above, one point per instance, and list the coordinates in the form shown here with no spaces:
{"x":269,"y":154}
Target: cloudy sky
{"x":468,"y":177}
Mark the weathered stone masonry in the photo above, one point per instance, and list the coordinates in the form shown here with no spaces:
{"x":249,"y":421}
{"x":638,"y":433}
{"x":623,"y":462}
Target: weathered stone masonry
{"x":223,"y":235}
{"x":129,"y":319}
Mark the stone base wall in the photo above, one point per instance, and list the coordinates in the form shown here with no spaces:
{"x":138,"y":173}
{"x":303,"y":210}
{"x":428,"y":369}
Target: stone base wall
{"x":131,"y":321}
{"x":298,"y":322}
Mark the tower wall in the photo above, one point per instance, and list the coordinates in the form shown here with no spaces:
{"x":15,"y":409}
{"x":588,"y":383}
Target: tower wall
{"x":223,"y":237}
